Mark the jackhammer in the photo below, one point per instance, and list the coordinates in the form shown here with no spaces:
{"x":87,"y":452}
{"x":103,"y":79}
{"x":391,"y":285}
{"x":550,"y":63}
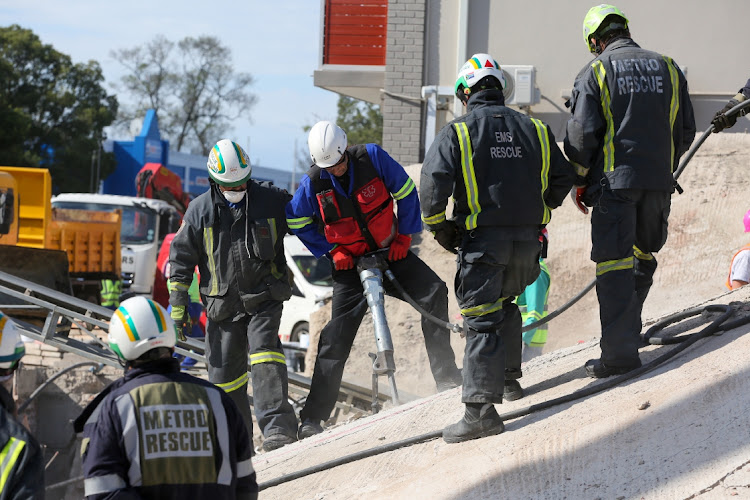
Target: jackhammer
{"x":370,"y":268}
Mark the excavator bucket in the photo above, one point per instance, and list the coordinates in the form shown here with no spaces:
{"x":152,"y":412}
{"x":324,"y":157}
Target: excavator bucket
{"x":44,"y":267}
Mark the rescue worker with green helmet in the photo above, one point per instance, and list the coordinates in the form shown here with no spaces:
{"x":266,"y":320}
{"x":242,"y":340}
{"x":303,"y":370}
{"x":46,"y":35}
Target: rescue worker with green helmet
{"x":157,"y":433}
{"x":505,"y":172}
{"x":631,"y":120}
{"x":234,"y":233}
{"x":21,"y":459}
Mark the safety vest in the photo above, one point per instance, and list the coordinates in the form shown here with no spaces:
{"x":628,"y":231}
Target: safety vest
{"x":729,"y":276}
{"x":364,"y":222}
{"x":533,"y":306}
{"x":111,"y":290}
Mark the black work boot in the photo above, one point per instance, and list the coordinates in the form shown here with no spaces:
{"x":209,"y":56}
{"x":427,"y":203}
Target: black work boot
{"x":276,"y":441}
{"x":596,"y":368}
{"x":512,"y":390}
{"x":480,"y":420}
{"x":309,"y":428}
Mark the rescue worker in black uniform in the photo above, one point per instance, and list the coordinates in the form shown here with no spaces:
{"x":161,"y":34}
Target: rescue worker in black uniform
{"x":350,"y":193}
{"x":157,"y":433}
{"x":631,"y":120}
{"x":234,"y":233}
{"x":21,"y":459}
{"x":506,"y":173}
{"x":721,"y":121}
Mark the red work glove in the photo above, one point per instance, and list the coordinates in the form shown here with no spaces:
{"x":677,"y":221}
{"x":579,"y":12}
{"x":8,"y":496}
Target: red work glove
{"x":576,"y":194}
{"x":342,"y":260}
{"x":399,"y":247}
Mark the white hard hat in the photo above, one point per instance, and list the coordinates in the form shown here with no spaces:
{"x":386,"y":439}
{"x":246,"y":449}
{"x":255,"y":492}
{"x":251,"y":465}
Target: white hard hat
{"x":228,"y":164}
{"x":476,"y":68}
{"x":11,"y":345}
{"x":139,"y":325}
{"x":327,"y":143}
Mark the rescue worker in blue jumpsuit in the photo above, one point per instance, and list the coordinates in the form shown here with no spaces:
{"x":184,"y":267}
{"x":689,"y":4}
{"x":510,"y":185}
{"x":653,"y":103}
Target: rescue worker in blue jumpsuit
{"x":21,"y":459}
{"x":506,"y":173}
{"x":157,"y":433}
{"x":721,"y":121}
{"x":631,"y":120}
{"x":349,"y":192}
{"x":234,"y":233}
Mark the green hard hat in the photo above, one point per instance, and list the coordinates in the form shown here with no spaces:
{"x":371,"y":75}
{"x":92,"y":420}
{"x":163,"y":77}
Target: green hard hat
{"x":594,"y":19}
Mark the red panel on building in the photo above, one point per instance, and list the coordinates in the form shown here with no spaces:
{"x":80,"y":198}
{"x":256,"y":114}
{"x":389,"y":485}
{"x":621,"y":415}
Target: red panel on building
{"x":354,"y":32}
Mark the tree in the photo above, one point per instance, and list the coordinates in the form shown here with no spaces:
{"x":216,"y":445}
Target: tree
{"x":361,"y":120}
{"x":52,"y":112}
{"x":192,"y":86}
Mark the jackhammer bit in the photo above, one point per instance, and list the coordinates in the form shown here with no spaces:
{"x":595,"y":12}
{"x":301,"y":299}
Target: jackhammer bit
{"x":370,"y":268}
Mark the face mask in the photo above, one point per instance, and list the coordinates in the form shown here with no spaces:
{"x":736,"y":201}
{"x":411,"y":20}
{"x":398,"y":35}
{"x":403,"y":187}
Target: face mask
{"x":234,"y":196}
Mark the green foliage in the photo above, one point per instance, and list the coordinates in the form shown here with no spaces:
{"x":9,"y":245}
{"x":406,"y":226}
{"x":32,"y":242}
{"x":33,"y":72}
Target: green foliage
{"x":192,"y":86}
{"x":361,"y":121}
{"x":52,"y":111}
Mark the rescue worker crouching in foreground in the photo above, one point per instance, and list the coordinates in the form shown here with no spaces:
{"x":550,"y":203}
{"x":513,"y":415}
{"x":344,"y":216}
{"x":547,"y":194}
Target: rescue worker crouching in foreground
{"x":350,"y":192}
{"x":157,"y":433}
{"x":631,"y":120}
{"x":506,"y":173}
{"x":234,"y":233}
{"x":21,"y":459}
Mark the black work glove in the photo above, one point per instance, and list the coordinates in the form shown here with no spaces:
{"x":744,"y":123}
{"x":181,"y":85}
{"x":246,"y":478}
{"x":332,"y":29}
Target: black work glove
{"x":722,"y":121}
{"x":447,"y":235}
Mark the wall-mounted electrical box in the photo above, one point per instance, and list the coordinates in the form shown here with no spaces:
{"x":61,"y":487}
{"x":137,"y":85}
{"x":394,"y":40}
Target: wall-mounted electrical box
{"x":520,"y":89}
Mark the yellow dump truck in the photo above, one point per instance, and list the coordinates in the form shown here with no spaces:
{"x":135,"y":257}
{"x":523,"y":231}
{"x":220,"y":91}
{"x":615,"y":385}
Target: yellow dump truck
{"x":68,"y":250}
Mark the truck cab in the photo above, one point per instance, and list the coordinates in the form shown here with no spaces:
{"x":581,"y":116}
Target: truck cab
{"x":145,"y":223}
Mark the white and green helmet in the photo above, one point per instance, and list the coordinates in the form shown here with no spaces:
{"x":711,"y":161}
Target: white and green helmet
{"x":594,"y":19}
{"x":476,"y":68}
{"x":228,"y":164}
{"x":139,"y":325}
{"x":11,"y":345}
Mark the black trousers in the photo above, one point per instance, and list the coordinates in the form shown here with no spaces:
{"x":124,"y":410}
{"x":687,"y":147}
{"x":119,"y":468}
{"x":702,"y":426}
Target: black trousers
{"x":627,"y":226}
{"x":348,"y":308}
{"x":227,"y":346}
{"x":494,"y":266}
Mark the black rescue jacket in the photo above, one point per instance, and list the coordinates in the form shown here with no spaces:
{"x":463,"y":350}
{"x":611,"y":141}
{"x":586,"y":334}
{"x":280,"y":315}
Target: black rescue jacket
{"x":502,"y":167}
{"x":239,"y":252}
{"x":631,"y":118}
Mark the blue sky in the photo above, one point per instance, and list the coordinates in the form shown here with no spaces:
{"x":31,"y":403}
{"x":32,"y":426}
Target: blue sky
{"x":277,"y":42}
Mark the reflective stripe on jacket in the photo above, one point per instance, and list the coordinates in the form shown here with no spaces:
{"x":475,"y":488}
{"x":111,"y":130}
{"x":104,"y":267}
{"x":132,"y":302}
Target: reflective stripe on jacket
{"x":21,"y":459}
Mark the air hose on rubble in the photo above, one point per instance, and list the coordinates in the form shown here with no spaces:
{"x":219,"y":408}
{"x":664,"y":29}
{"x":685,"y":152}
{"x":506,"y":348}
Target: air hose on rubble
{"x":684,"y":341}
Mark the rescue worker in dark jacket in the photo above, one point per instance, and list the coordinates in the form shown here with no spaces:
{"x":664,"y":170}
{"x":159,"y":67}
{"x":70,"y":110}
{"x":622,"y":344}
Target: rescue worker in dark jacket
{"x":631,"y":121}
{"x":721,"y":121}
{"x":234,"y":233}
{"x":505,"y":173}
{"x":21,"y":459}
{"x":350,"y":193}
{"x":157,"y":433}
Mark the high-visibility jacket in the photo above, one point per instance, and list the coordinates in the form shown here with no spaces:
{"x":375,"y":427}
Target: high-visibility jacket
{"x":21,"y":460}
{"x":533,"y":305}
{"x":361,"y":218}
{"x":111,"y":290}
{"x":731,"y":263}
{"x":631,"y":118}
{"x":157,"y":433}
{"x":502,"y":167}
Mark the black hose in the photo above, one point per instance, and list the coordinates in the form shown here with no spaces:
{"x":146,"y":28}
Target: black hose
{"x":686,"y":341}
{"x":458,"y":328}
{"x":25,"y":404}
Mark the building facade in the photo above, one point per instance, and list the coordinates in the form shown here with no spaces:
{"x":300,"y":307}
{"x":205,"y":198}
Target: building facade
{"x":404,"y":54}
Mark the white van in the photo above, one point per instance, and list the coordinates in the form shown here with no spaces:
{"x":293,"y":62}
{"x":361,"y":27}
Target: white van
{"x":312,"y":284}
